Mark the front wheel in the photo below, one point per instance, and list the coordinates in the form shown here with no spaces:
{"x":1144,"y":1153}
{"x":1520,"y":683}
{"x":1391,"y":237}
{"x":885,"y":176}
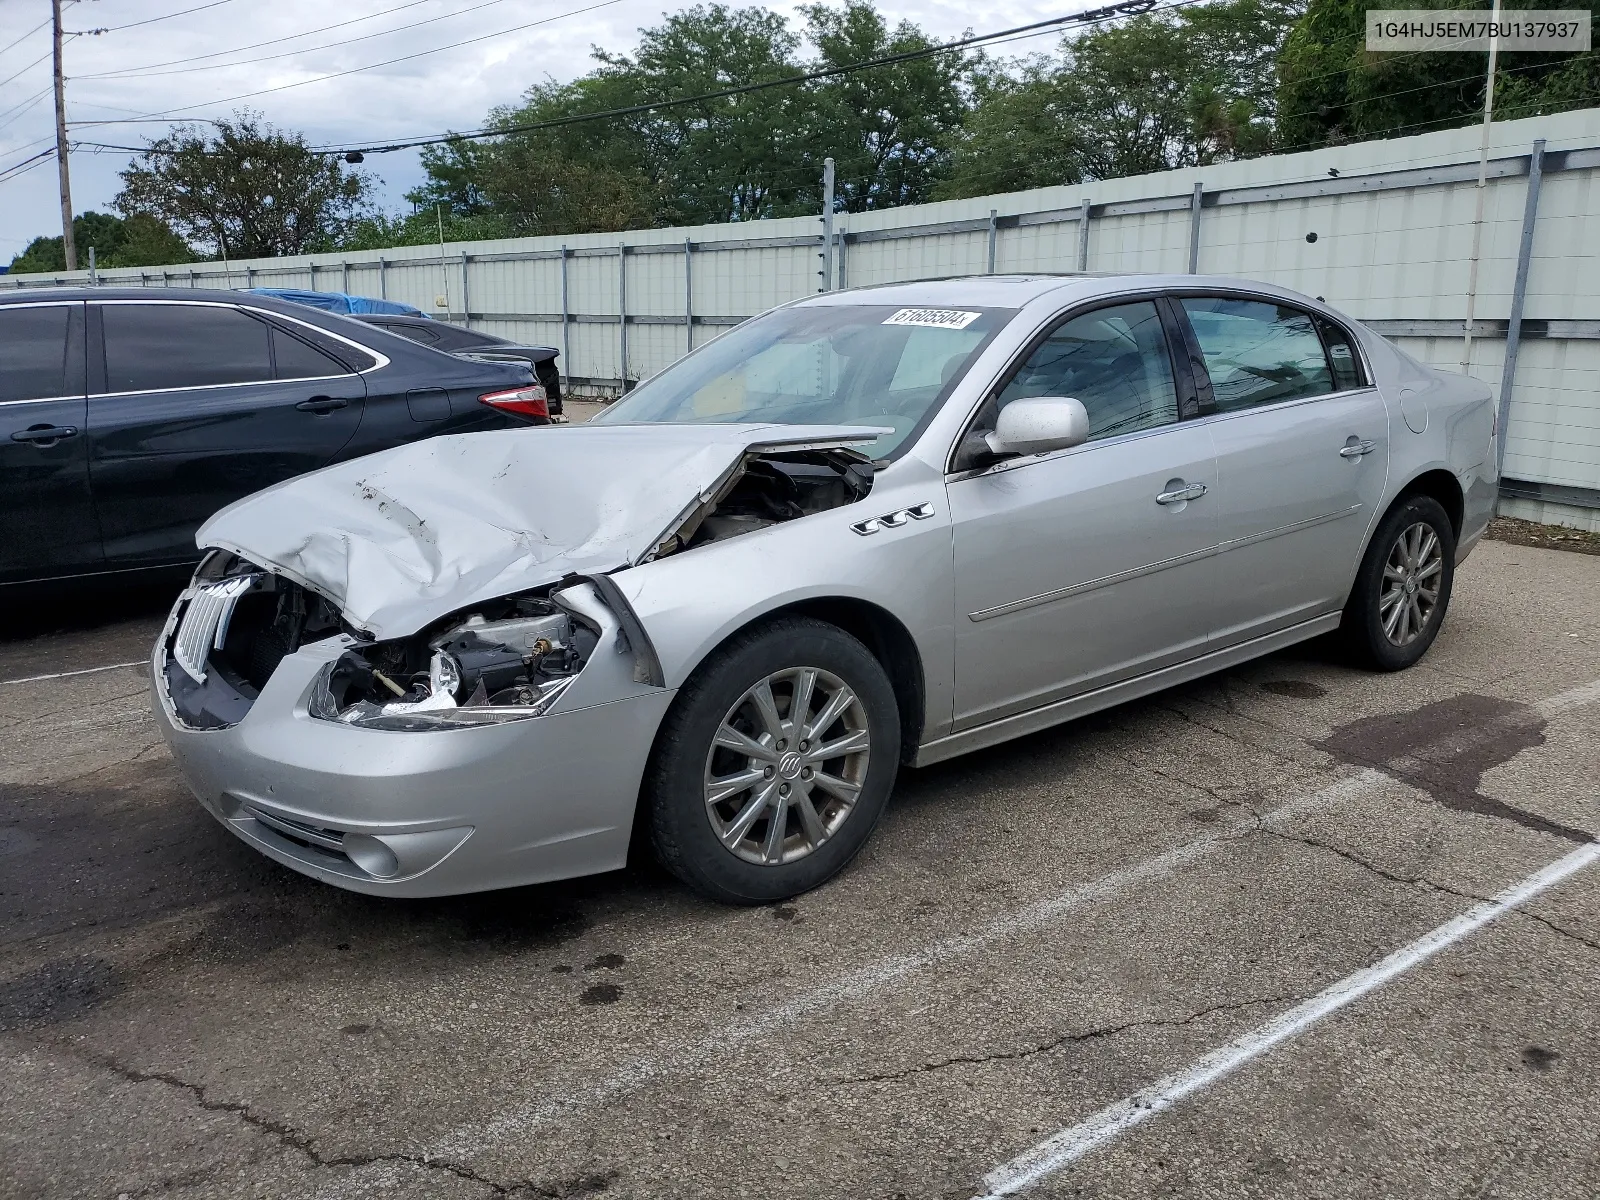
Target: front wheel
{"x":774,"y":763}
{"x":1402,"y":591}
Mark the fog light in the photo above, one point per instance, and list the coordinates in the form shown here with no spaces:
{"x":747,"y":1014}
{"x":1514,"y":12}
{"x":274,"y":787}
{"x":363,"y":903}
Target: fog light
{"x":371,"y":855}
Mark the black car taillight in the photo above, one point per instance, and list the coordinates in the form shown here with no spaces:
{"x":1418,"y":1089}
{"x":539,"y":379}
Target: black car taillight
{"x":523,"y":401}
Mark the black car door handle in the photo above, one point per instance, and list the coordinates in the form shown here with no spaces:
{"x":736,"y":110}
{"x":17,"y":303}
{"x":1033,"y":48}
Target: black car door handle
{"x":322,"y":404}
{"x":44,"y":433}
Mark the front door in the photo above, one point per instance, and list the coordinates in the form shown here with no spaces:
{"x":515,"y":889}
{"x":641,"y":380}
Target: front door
{"x":1302,"y":461}
{"x":1076,"y":569}
{"x":48,"y":519}
{"x":194,"y":405}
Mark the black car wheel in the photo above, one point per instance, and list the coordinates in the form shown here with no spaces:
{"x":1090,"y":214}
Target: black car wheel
{"x":774,"y":763}
{"x":1403,"y":588}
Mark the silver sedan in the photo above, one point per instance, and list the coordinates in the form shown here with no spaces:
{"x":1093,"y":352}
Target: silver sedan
{"x":869,"y":529}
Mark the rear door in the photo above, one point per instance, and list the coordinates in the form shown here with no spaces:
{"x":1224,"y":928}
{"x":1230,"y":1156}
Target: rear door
{"x":44,"y":462}
{"x":1302,"y":460}
{"x":195,"y":404}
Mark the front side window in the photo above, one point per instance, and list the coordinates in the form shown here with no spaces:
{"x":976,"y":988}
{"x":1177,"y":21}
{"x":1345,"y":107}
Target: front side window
{"x":1258,"y":351}
{"x":1114,"y":360}
{"x":33,"y":353}
{"x":837,"y":364}
{"x":159,"y":346}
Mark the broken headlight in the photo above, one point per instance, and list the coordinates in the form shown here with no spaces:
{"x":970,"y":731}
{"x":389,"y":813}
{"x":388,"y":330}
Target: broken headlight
{"x":484,"y":669}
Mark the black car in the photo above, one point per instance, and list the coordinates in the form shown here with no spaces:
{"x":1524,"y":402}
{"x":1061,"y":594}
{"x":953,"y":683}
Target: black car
{"x":455,"y":340}
{"x":130,"y":415}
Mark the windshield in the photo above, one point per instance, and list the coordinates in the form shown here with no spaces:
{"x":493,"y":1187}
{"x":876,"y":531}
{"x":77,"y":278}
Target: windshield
{"x":853,"y":364}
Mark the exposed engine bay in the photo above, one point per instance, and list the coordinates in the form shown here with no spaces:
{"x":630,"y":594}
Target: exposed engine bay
{"x":507,"y":659}
{"x":773,"y":488}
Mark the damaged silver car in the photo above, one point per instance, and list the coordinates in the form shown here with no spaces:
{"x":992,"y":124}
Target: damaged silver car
{"x":871,"y":528}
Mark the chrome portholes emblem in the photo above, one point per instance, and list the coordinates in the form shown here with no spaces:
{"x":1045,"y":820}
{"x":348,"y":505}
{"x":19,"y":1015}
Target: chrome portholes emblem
{"x":893,"y":520}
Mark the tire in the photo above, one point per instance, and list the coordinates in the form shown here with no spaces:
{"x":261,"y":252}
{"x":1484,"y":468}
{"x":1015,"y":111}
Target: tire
{"x":829,"y":805}
{"x":1379,"y":625}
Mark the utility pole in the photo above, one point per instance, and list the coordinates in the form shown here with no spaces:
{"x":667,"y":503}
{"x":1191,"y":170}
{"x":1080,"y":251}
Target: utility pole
{"x":1483,"y":185}
{"x":61,"y":143}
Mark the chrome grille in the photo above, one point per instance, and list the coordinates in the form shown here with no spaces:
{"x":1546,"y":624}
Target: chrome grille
{"x":205,"y":623}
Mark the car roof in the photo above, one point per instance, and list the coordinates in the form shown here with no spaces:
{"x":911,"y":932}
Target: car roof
{"x":1018,"y":291}
{"x":209,"y":295}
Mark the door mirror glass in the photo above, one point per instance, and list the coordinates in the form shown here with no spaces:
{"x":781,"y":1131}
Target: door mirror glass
{"x":1037,"y":424}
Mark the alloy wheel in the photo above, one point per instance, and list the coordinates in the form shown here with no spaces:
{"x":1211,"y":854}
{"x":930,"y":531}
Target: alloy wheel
{"x":1411,"y":577}
{"x":786,"y":765}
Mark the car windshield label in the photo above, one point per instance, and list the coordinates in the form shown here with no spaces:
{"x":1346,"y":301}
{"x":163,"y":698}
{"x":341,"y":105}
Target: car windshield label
{"x":933,"y":318}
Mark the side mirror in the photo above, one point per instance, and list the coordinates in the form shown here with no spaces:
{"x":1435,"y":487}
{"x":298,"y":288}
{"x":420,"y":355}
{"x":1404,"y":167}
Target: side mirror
{"x":1038,"y":424}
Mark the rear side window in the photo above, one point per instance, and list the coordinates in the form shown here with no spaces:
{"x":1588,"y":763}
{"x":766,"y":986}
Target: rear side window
{"x":159,"y":346}
{"x":1342,"y":356}
{"x":1114,"y":360}
{"x":296,"y":360}
{"x":34,"y":362}
{"x":413,"y":333}
{"x":1258,"y":351}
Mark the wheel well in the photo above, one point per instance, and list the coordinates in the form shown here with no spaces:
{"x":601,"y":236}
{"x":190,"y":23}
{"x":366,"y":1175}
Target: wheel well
{"x":1444,"y":488}
{"x":891,"y":644}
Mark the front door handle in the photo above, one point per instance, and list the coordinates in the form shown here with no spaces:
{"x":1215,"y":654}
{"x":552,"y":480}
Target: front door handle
{"x":1192,"y":492}
{"x":47,"y":434}
{"x":1357,"y":449}
{"x":322,"y":404}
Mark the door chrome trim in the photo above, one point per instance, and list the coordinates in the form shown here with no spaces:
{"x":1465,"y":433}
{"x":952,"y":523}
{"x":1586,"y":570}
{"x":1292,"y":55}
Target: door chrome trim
{"x":1085,"y":703}
{"x":1089,"y":585}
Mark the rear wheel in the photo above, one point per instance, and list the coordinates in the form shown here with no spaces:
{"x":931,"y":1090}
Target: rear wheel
{"x":1402,"y":591}
{"x":774,"y":764}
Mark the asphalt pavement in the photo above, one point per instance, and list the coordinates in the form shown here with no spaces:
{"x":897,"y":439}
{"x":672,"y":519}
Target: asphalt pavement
{"x":1239,"y":939}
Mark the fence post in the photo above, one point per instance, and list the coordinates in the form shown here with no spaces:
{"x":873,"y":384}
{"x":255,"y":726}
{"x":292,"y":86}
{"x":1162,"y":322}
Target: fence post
{"x":688,"y":295}
{"x":383,"y":278}
{"x":344,"y":275}
{"x":1083,"y":236}
{"x":249,"y":278}
{"x":994,"y":231}
{"x":1194,"y":228}
{"x":1519,"y":293}
{"x":566,"y":350}
{"x":466,"y":308}
{"x":622,"y":310}
{"x":842,"y":243}
{"x":827,"y":225}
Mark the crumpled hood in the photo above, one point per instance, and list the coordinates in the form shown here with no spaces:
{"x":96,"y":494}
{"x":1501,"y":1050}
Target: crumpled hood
{"x":402,"y":537}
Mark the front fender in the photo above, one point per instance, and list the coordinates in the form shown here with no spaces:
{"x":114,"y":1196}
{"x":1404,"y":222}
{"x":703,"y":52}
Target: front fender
{"x":693,"y":601}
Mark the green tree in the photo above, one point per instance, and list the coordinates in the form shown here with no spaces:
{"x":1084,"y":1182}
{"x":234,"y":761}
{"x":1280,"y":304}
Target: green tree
{"x":140,"y":240}
{"x":1158,"y":91}
{"x":1332,"y":90}
{"x":245,"y":190}
{"x":890,"y":130}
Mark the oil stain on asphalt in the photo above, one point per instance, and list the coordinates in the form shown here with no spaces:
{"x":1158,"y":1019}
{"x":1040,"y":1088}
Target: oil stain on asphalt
{"x":1445,"y":748}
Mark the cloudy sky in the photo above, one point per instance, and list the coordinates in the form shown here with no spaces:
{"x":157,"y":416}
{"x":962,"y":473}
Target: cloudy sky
{"x":153,"y":63}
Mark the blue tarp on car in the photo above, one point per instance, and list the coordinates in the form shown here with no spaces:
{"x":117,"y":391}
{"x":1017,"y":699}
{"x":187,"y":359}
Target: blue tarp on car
{"x":341,"y":302}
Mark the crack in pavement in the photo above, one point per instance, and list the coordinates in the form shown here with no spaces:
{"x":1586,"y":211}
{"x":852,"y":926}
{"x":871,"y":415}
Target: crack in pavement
{"x":288,"y":1136}
{"x":1425,"y":881}
{"x":1056,"y":1043}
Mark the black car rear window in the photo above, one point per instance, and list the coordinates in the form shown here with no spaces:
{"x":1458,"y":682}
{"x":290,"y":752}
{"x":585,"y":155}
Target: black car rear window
{"x":158,"y":346}
{"x":33,"y":352}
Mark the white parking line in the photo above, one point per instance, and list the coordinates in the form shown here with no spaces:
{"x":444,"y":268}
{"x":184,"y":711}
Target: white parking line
{"x":69,"y":674}
{"x":555,"y":1101}
{"x":1066,"y":1147}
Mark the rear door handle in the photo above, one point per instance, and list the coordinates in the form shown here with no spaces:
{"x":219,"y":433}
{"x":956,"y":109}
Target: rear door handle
{"x":44,"y":433}
{"x":1193,"y":492}
{"x":322,"y":404}
{"x":1357,"y":449}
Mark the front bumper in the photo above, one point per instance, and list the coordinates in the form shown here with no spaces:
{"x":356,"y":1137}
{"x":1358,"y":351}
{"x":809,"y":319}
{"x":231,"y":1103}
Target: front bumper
{"x":425,"y":814}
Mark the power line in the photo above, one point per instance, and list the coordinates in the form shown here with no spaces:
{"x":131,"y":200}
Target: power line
{"x":1124,"y":8}
{"x":41,"y":25}
{"x":22,"y":110}
{"x":305,"y":49}
{"x":152,"y":20}
{"x":173,"y":62}
{"x":387,"y":62}
{"x":27,"y":68}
